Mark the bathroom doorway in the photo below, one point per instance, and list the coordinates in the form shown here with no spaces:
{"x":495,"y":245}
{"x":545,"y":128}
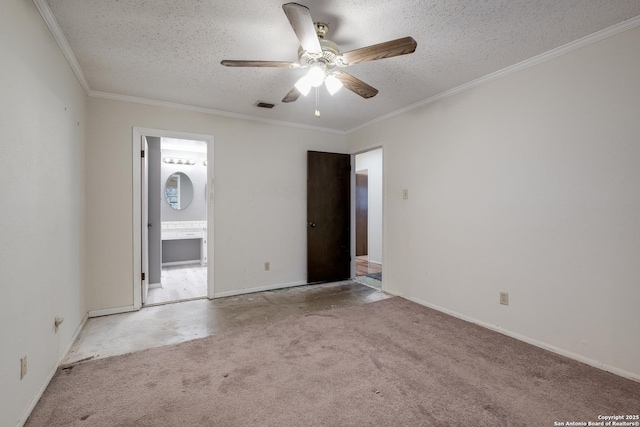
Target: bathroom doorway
{"x":175,"y":217}
{"x":368,"y":217}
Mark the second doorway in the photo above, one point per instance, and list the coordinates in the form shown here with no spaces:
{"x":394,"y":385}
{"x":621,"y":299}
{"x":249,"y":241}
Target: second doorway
{"x":368,"y":220}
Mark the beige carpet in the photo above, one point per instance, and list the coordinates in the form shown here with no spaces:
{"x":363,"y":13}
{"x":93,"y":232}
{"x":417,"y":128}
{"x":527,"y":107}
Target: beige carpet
{"x":388,"y":363}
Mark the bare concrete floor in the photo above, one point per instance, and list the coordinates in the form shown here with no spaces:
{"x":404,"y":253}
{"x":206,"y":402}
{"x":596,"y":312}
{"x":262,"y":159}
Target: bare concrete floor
{"x":173,"y":323}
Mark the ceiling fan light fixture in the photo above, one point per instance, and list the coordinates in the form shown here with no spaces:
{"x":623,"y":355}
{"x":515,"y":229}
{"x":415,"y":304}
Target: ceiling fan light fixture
{"x":315,"y":75}
{"x":303,"y":85}
{"x":333,"y":84}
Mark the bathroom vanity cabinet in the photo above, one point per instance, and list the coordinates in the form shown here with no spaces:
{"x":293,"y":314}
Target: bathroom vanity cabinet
{"x":181,"y":231}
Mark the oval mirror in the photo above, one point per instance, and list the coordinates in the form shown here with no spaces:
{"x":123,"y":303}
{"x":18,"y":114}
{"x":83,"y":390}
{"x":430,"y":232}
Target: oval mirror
{"x":178,"y":191}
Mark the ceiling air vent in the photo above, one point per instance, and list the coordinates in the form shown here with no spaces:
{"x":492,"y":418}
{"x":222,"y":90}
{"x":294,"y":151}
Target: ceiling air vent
{"x":264,"y":105}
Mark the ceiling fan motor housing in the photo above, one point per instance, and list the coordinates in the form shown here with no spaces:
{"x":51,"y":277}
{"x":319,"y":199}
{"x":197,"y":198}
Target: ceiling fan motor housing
{"x":330,"y":51}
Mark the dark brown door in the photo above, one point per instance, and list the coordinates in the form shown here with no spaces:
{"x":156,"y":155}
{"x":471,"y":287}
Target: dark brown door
{"x":362,"y":213}
{"x":328,"y":216}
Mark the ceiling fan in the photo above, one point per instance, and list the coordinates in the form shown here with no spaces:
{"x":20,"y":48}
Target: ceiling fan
{"x":322,"y":56}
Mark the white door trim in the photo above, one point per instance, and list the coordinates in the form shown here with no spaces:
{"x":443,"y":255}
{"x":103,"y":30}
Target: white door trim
{"x":137,"y":133}
{"x":144,"y":187}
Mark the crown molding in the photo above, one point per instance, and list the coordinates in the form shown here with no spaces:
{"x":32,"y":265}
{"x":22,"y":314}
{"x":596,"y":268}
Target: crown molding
{"x":52,"y":23}
{"x":176,"y":106}
{"x":569,"y":47}
{"x":56,"y":31}
{"x":54,"y":27}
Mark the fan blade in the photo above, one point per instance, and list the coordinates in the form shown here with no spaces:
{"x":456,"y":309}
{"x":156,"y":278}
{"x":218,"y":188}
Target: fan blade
{"x":388,"y":49}
{"x":355,"y":85}
{"x":241,"y":63}
{"x":302,"y":24}
{"x":292,"y":96}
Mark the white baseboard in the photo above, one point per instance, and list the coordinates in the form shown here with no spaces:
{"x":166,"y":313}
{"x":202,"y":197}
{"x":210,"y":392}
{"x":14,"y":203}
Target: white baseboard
{"x":528,"y":340}
{"x":73,"y":339}
{"x":155,"y":285}
{"x":114,"y":310}
{"x":258,"y":289}
{"x":396,"y":294}
{"x":375,"y":262}
{"x":52,"y":372}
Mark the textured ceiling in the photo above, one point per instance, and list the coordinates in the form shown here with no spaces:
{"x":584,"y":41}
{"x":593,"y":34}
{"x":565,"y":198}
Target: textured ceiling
{"x":169,"y":50}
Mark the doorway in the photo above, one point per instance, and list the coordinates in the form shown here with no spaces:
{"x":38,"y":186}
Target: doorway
{"x":368,"y":218}
{"x":177,"y":222}
{"x":173,"y":210}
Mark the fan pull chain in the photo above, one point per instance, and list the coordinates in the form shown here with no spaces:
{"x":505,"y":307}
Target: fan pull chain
{"x":317,"y":102}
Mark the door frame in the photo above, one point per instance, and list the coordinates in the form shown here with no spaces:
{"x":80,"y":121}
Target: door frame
{"x":144,"y":201}
{"x":137,"y":134}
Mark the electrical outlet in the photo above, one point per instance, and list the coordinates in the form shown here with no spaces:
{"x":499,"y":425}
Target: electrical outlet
{"x":405,"y":194}
{"x":504,"y":298}
{"x":23,"y":366}
{"x":267,"y":266}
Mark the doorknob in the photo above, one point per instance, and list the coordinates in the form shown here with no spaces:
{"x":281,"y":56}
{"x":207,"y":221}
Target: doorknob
{"x":312,"y":224}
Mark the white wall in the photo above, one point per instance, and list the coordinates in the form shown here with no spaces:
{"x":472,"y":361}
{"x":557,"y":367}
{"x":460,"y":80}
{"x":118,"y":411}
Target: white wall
{"x":260,"y":197}
{"x":372,"y":162}
{"x":42,"y":239}
{"x":530,"y":185}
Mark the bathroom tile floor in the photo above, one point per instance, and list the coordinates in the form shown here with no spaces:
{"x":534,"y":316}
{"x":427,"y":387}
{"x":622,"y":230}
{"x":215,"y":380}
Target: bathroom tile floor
{"x":173,"y":323}
{"x":180,"y":282}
